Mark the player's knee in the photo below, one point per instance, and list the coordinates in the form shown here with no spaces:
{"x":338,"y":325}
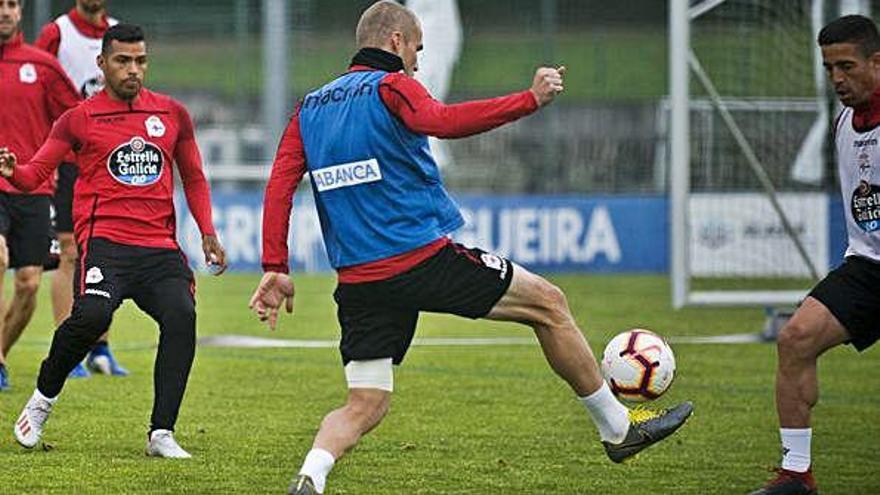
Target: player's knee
{"x":556,"y":299}
{"x":4,"y":254}
{"x":27,"y":283}
{"x":178,"y":325}
{"x":185,"y":309}
{"x":68,"y":250}
{"x":369,"y":405}
{"x":91,"y":317}
{"x":553,"y":304}
{"x":180,"y":311}
{"x":370,"y":383}
{"x":795,"y":340}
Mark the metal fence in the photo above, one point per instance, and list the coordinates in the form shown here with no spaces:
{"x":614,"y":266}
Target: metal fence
{"x":606,"y":134}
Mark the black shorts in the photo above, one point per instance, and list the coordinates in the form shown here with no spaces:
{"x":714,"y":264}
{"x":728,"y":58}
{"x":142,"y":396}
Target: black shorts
{"x":850,"y":293}
{"x":53,"y":257}
{"x":116,"y":272}
{"x":378,"y":319}
{"x":63,"y":199}
{"x":24,"y":222}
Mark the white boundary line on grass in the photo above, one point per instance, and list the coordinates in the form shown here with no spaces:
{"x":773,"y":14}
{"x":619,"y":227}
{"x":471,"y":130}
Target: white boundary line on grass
{"x":244,"y":341}
{"x":735,"y":338}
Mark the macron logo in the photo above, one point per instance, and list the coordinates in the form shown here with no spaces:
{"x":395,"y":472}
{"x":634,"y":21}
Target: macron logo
{"x":96,"y":292}
{"x":347,"y":174}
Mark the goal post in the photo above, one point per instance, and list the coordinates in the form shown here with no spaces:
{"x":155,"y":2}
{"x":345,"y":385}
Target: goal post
{"x":748,"y":118}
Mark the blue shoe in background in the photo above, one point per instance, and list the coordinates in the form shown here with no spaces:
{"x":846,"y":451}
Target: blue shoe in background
{"x":79,"y":372}
{"x":101,"y":360}
{"x":4,"y":379}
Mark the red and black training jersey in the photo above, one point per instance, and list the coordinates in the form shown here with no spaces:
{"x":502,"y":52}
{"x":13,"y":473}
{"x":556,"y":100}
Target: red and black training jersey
{"x":124,"y":152}
{"x":34,"y":91}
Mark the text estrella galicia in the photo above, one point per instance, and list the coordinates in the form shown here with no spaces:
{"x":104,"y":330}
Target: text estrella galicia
{"x":136,"y":163}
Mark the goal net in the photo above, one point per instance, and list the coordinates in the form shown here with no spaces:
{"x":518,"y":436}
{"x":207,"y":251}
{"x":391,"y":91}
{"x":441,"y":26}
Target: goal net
{"x":748,"y":122}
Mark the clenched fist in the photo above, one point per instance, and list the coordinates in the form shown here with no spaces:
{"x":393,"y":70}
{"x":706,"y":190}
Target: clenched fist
{"x":547,"y":84}
{"x":7,"y":162}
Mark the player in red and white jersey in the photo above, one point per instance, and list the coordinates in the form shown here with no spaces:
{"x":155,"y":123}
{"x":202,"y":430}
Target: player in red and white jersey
{"x":34,"y":91}
{"x":126,"y":139}
{"x":75,"y":39}
{"x":843,"y":307}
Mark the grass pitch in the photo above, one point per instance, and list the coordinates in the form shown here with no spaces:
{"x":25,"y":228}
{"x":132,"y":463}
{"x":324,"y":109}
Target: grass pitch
{"x":464,"y":420}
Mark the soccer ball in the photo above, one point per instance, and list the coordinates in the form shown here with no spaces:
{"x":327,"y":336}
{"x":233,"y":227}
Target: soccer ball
{"x":638,"y":365}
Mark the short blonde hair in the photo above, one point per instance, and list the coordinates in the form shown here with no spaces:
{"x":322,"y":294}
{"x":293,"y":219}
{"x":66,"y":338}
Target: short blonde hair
{"x":380,"y":20}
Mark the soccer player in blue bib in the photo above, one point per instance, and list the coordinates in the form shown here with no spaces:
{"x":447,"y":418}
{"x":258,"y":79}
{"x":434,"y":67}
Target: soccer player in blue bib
{"x":386,"y":218}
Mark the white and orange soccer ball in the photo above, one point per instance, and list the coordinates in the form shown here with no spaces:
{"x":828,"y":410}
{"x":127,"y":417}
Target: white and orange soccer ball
{"x":638,"y":365}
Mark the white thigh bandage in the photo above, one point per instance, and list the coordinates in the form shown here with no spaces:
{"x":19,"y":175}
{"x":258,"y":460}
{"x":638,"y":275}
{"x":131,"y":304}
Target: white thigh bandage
{"x":374,"y":373}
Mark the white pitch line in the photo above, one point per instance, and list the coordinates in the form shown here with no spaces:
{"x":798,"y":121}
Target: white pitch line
{"x":737,"y":338}
{"x":262,"y":342}
{"x":429,"y":341}
{"x":244,"y":341}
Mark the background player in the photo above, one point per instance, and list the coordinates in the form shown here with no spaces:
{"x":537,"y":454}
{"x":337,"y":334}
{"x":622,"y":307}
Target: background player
{"x":126,"y":138}
{"x":75,"y":39}
{"x":385,"y":217}
{"x":34,"y":91}
{"x":843,"y":307}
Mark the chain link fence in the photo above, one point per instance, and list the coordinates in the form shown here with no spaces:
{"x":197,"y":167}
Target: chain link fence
{"x":605,"y":134}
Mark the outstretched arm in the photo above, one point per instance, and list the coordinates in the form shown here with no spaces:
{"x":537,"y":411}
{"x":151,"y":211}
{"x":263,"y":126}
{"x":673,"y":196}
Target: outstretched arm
{"x":30,"y":176}
{"x":413,"y":105}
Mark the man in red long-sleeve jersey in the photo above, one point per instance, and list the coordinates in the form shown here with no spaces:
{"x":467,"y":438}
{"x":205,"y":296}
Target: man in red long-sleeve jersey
{"x":34,"y":91}
{"x":126,"y":139}
{"x":74,"y":38}
{"x":386,"y":217}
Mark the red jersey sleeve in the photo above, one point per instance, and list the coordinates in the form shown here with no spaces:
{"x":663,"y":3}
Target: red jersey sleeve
{"x":49,"y":39}
{"x":287,"y":172}
{"x":62,"y":139}
{"x":189,"y":164}
{"x":60,"y":91}
{"x":406,"y":98}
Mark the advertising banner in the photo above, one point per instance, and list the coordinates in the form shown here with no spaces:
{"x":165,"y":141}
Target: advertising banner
{"x":557,"y":233}
{"x":740,"y":234}
{"x":735,"y":235}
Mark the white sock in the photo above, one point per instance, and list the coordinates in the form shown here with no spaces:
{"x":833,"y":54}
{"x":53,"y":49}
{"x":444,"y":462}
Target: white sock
{"x":796,"y":448}
{"x":317,"y":466}
{"x":39,"y":395}
{"x":610,"y":416}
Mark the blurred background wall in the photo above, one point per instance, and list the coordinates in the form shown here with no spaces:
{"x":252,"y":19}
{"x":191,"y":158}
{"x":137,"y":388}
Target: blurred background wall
{"x":602,"y":136}
{"x":583,"y":184}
